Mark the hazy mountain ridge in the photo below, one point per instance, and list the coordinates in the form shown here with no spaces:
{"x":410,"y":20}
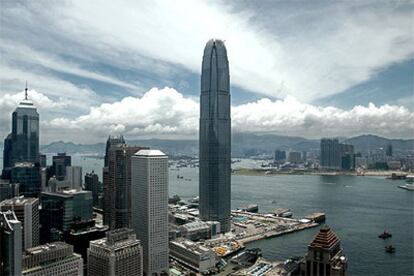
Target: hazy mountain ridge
{"x":242,"y":144}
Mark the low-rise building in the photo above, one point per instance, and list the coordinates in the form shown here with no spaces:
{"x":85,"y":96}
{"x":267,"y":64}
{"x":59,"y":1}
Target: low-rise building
{"x":52,"y":259}
{"x":193,"y":255}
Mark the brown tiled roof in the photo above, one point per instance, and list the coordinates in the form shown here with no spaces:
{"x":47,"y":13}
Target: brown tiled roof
{"x":325,"y":239}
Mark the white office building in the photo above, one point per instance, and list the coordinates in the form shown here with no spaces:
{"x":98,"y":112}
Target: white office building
{"x":149,"y":197}
{"x":74,"y":176}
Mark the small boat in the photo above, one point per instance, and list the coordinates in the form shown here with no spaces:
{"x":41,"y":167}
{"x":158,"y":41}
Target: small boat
{"x":390,"y":249}
{"x":409,"y":187}
{"x":385,"y":235}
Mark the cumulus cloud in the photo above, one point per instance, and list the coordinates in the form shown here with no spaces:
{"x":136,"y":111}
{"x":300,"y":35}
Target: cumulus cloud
{"x":166,"y":113}
{"x":307,"y":51}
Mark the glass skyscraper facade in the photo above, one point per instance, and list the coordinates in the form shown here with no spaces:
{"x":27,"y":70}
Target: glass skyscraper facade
{"x":22,"y":145}
{"x":215,"y":136}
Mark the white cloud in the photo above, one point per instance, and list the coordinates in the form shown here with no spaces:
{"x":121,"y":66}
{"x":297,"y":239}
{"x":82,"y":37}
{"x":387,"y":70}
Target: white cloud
{"x":166,"y":113}
{"x":336,"y":47}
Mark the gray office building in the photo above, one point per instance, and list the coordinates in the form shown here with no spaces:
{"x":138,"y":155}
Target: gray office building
{"x":10,"y":244}
{"x":27,"y":212}
{"x":117,"y":207}
{"x":120,"y":253}
{"x":150,"y":208}
{"x":336,"y":155}
{"x":22,"y":144}
{"x":60,"y":162}
{"x":215,"y":136}
{"x":52,"y":259}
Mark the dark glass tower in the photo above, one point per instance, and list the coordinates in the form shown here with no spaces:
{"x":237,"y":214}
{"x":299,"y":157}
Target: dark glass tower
{"x":22,"y":145}
{"x":215,"y":136}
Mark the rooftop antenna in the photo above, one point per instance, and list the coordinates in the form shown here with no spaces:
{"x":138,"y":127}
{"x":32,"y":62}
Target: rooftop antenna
{"x":25,"y":93}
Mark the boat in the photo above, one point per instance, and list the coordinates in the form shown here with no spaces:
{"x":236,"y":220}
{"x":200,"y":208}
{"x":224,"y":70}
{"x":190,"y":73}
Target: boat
{"x":395,"y":176}
{"x":385,"y":235}
{"x":390,"y":249}
{"x":409,"y":187}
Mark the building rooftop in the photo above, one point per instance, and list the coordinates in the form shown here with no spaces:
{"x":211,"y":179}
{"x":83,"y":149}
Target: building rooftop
{"x":149,"y":152}
{"x":24,"y":164}
{"x":19,"y":200}
{"x":325,"y":239}
{"x":192,"y":246}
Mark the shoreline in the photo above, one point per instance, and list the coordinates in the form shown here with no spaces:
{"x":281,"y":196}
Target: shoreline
{"x":271,"y":172}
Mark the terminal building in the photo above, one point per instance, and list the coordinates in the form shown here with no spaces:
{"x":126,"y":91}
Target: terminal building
{"x":120,"y":253}
{"x":197,"y":230}
{"x":52,"y":259}
{"x":195,"y":256}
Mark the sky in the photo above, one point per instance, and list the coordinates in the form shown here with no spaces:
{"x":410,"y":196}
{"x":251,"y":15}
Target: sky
{"x":300,"y":68}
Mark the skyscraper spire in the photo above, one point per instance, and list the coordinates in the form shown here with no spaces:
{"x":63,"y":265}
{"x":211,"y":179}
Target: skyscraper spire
{"x":25,"y":93}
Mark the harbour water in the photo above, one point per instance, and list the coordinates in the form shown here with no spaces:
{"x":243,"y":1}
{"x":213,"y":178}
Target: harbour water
{"x":357,"y":208}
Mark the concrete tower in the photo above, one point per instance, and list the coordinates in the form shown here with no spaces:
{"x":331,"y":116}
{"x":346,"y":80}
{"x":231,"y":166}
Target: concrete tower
{"x":215,"y":136}
{"x":150,"y":208}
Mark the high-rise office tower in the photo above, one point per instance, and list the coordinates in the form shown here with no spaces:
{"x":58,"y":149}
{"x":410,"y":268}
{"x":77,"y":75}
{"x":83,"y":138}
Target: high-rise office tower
{"x":120,"y":253}
{"x":61,"y":209}
{"x":60,"y":162}
{"x":333,"y":153}
{"x":74,"y":176}
{"x":7,"y":189}
{"x":325,"y":255}
{"x":215,"y":136}
{"x":280,"y":156}
{"x":22,"y":144}
{"x":117,"y":210}
{"x":28,"y":177}
{"x":52,"y":259}
{"x":27,"y":212}
{"x":10,"y":244}
{"x":108,"y":186}
{"x":93,"y":184}
{"x":150,"y":208}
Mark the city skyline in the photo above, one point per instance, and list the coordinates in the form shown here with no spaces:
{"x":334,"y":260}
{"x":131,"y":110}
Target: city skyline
{"x":294,"y":73}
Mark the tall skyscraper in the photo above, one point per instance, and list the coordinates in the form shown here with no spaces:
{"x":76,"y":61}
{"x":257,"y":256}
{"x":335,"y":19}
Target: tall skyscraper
{"x":120,"y":253}
{"x":117,"y":209}
{"x":93,"y":184}
{"x":10,"y":244}
{"x":108,"y":185}
{"x":52,"y":259}
{"x":22,"y":144}
{"x":335,"y":155}
{"x":150,"y":208}
{"x":60,"y":162}
{"x":215,"y":136}
{"x":27,"y":212}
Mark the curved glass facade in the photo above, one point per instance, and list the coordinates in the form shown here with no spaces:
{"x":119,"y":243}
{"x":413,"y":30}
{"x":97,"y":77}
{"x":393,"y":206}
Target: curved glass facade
{"x":215,"y":136}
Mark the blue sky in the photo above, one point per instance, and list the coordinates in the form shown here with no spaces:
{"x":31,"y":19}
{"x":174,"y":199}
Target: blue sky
{"x":307,"y":68}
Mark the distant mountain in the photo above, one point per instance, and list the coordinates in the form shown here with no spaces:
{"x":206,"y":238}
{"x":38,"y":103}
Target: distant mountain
{"x":70,"y":147}
{"x":243,"y":144}
{"x":366,"y":143}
